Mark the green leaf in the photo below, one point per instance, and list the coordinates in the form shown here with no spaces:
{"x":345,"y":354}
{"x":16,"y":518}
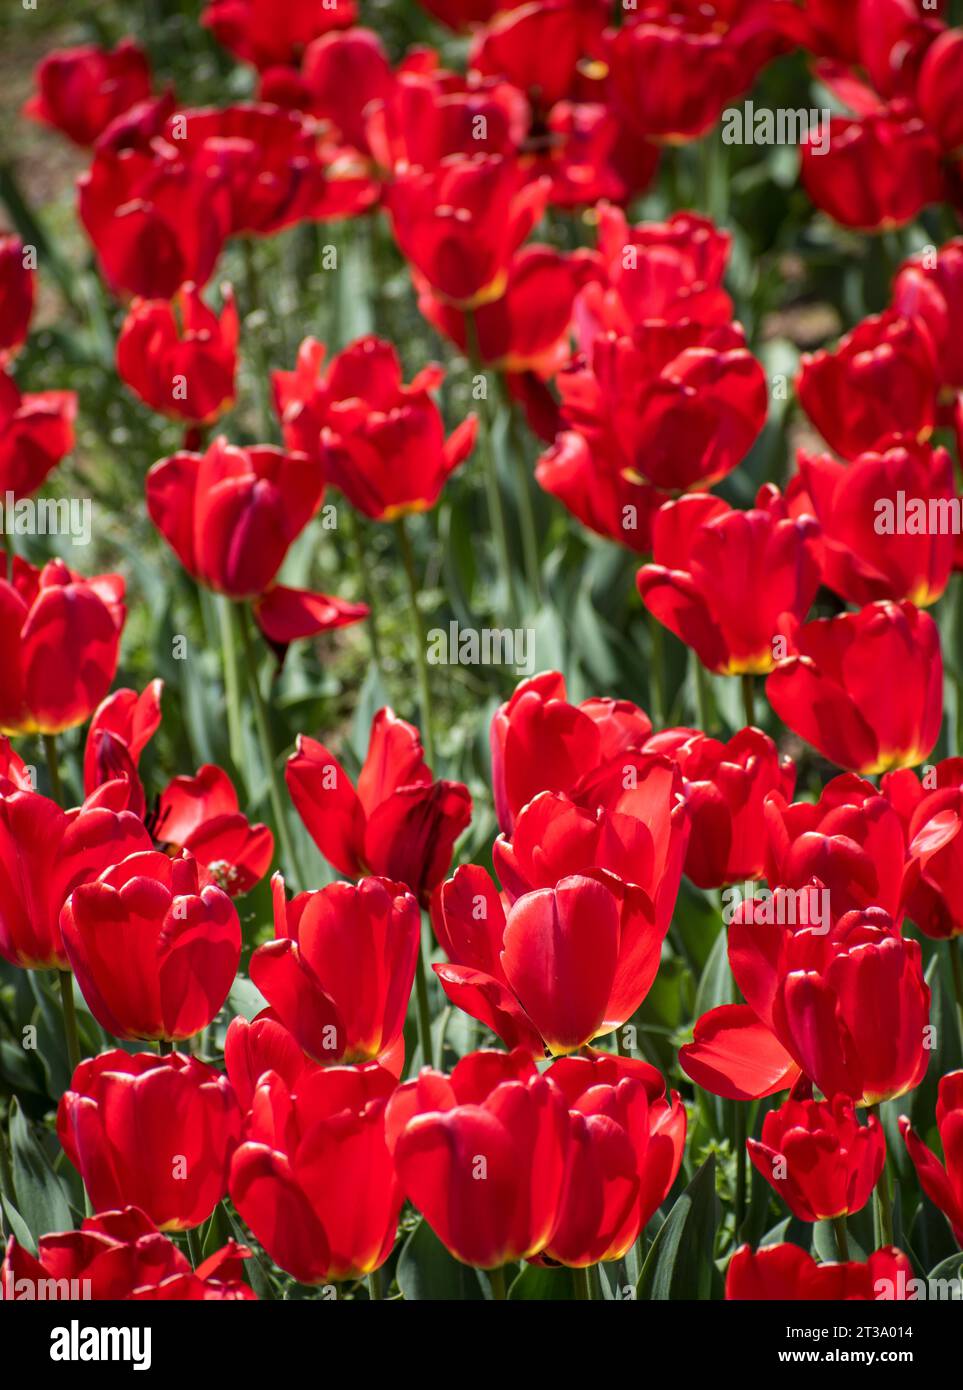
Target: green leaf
{"x":41,"y":1198}
{"x":539,"y":1283}
{"x":426,"y":1271}
{"x":17,"y":1226}
{"x":680,"y":1264}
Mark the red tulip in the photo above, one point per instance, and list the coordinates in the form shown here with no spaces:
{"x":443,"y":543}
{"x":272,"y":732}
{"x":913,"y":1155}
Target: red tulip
{"x":431,"y":114}
{"x":938,"y":89}
{"x":880,"y":381}
{"x":847,"y":1007}
{"x":933,"y":817}
{"x":850,"y":842}
{"x":200,"y":814}
{"x":789,"y":1273}
{"x":45,"y":853}
{"x":818,"y":1158}
{"x":674,"y":405}
{"x":930,"y":290}
{"x":121,"y":727}
{"x":16,"y":296}
{"x":829,"y":692}
{"x":339,"y":971}
{"x":665,"y":271}
{"x":722,"y":580}
{"x":627,"y":1142}
{"x":154,"y":953}
{"x":526,"y":328}
{"x":264,"y":1044}
{"x":596,"y":493}
{"x":343,"y":72}
{"x":539,"y":48}
{"x":399,"y":823}
{"x":157,"y":1132}
{"x":313,"y":1178}
{"x":230,"y":516}
{"x":674,"y":67}
{"x":541,"y":742}
{"x":822,"y":27}
{"x":460,"y":224}
{"x":118,"y":1255}
{"x":483,"y":1154}
{"x":179,"y":356}
{"x":260,"y":33}
{"x":81,"y":90}
{"x":942,"y":1182}
{"x":875,"y":171}
{"x":567,"y":963}
{"x":36,"y":432}
{"x":726,"y":785}
{"x":61,"y":638}
{"x":465,"y":14}
{"x":382,"y":443}
{"x":877,"y":541}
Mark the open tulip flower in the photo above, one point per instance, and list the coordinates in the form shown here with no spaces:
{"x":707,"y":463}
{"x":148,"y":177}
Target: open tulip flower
{"x":484,"y":1154}
{"x":933,"y":818}
{"x":154,"y":953}
{"x":201,"y":815}
{"x":847,"y":1007}
{"x":818,"y":1158}
{"x":230,"y":515}
{"x":381,"y":443}
{"x":828,"y":689}
{"x":260,"y":34}
{"x":787,"y":1273}
{"x":153,"y":1132}
{"x":943,"y":1182}
{"x":36,"y":433}
{"x":339,"y":971}
{"x":81,"y":90}
{"x":119,"y":1255}
{"x":313,"y":1177}
{"x":399,"y":822}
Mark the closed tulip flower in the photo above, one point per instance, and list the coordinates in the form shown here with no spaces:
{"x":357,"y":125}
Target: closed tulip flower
{"x":868,"y":548}
{"x":829,"y":691}
{"x":930,"y":289}
{"x":339,"y":972}
{"x":848,"y":1007}
{"x":726,"y":786}
{"x":230,"y":515}
{"x":937,"y":90}
{"x":722,"y":580}
{"x":933,"y":817}
{"x":542,"y":742}
{"x":36,"y":433}
{"x":875,"y":171}
{"x":787,"y":1273}
{"x":118,"y":1255}
{"x":313,"y":1177}
{"x":818,"y":1158}
{"x":45,"y":854}
{"x":61,"y":641}
{"x":264,"y":1044}
{"x":399,"y":822}
{"x":942,"y":1182}
{"x":850,"y":841}
{"x":259,"y":33}
{"x":627,"y":1141}
{"x":483,"y":1154}
{"x":154,"y":954}
{"x":120,"y":728}
{"x":153,"y":1132}
{"x":180,"y":356}
{"x":881,"y":380}
{"x":380,"y":442}
{"x":81,"y":90}
{"x":16,"y":295}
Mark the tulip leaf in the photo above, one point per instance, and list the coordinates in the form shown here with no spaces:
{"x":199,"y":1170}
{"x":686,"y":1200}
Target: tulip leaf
{"x":426,"y":1271}
{"x":543,"y":1283}
{"x":41,"y":1198}
{"x":16,"y":1226}
{"x":680,"y":1264}
{"x":951,"y":1268}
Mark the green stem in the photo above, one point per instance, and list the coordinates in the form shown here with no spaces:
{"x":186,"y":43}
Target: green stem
{"x":584,"y":1284}
{"x":10,"y":552}
{"x":702,"y":694}
{"x":424,"y":1013}
{"x":496,"y":512}
{"x":883,"y":1200}
{"x":418,"y":631}
{"x":232,"y":684}
{"x":255,"y":304}
{"x":496,"y":1277}
{"x":53,"y":768}
{"x":621,"y":1048}
{"x":6,"y":1172}
{"x":70,"y":1019}
{"x":374,"y":1286}
{"x":657,"y":699}
{"x":955,"y":947}
{"x":526,"y":510}
{"x":367,"y":594}
{"x":749,"y":699}
{"x":164,"y":1047}
{"x":267,"y":752}
{"x":741,"y":1118}
{"x":842,"y":1237}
